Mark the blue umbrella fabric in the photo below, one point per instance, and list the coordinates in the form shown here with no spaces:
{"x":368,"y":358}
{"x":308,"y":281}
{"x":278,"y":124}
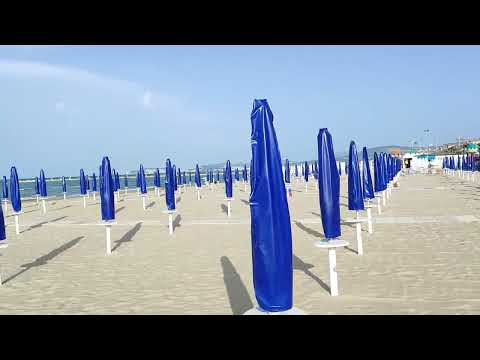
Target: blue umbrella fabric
{"x":287,"y":171}
{"x":237,"y":174}
{"x":94,"y":182}
{"x":378,"y":186}
{"x":270,"y":218}
{"x":306,"y":171}
{"x":88,"y":182}
{"x":15,"y":197}
{"x":169,"y":186}
{"x":367,"y":177}
{"x":83,"y":184}
{"x":107,"y":184}
{"x":64,"y":184}
{"x":175,"y":180}
{"x":43,"y":184}
{"x":328,"y":185}
{"x":37,"y":186}
{"x":228,"y":180}
{"x":296,"y":170}
{"x":245,"y":173}
{"x":355,"y":195}
{"x":198,"y":180}
{"x":143,"y":180}
{"x":4,"y":188}
{"x":3,"y":235}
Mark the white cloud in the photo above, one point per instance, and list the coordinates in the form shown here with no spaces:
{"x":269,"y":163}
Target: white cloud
{"x":149,"y":99}
{"x":59,"y":106}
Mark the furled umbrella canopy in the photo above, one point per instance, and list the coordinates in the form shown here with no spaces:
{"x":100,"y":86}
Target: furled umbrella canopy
{"x":94,"y":182}
{"x":175,"y":180}
{"x":143,"y":180}
{"x":367,"y":177}
{"x":3,"y":235}
{"x":328,"y":185}
{"x":306,"y":171}
{"x":339,"y":168}
{"x":198,"y":180}
{"x":64,"y":184}
{"x":15,"y":197}
{"x":83,"y":183}
{"x":296,"y":170}
{"x":377,"y":172}
{"x":107,"y":199}
{"x":169,"y":186}
{"x":355,"y":195}
{"x":88,"y":182}
{"x":287,"y":171}
{"x":43,"y":184}
{"x":270,"y":218}
{"x":228,"y":180}
{"x":4,"y":188}
{"x":245,"y":174}
{"x":37,"y":186}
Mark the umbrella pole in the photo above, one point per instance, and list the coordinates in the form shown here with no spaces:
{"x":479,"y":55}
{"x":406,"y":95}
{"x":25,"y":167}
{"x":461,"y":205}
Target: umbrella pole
{"x":64,"y":196}
{"x":44,"y":206}
{"x":245,"y":185}
{"x":378,"y":206}
{"x":84,"y":202}
{"x":359,"y":236}
{"x":17,"y":226}
{"x":126,"y":191}
{"x":37,"y":199}
{"x":94,"y":198}
{"x":369,"y":216}
{"x":383,"y":198}
{"x":198,"y":194}
{"x":143,"y":202}
{"x":332,"y":260}
{"x":6,"y":206}
{"x":306,"y":186}
{"x":170,"y":224}
{"x":229,"y":208}
{"x":109,"y":241}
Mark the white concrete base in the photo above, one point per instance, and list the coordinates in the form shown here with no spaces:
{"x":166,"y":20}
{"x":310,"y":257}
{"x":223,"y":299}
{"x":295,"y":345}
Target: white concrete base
{"x":258,"y":311}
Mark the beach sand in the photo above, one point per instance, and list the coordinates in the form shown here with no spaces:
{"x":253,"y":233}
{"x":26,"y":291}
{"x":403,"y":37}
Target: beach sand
{"x":423,"y":257}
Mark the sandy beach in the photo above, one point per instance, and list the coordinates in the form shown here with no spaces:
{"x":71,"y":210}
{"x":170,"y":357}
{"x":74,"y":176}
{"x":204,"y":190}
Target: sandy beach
{"x":423,"y":257}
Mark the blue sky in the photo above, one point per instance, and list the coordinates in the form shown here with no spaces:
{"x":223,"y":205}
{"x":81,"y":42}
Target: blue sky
{"x":65,"y":107}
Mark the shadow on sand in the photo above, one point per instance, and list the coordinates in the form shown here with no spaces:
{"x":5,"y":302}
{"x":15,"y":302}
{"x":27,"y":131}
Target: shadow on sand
{"x":46,"y":258}
{"x":237,"y":292}
{"x":224,"y":208}
{"x":176,"y":221}
{"x":43,"y":223}
{"x":128,"y":235}
{"x":298,"y":264}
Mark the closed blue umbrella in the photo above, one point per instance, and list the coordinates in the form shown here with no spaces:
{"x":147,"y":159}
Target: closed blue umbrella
{"x":296,"y":170}
{"x":377,"y":172}
{"x":15,"y":197}
{"x":303,"y":171}
{"x":346,"y":169}
{"x":339,"y":168}
{"x":228,"y":180}
{"x":107,"y":199}
{"x":88,"y":182}
{"x":94,"y":182}
{"x":117,"y":181}
{"x":270,"y":218}
{"x":3,"y":235}
{"x":198,"y":180}
{"x":169,"y":186}
{"x":143,"y":180}
{"x":43,"y":184}
{"x":218,"y":176}
{"x":367,"y":177}
{"x":190,"y":177}
{"x":306,"y":171}
{"x":328,"y":185}
{"x":179,"y":177}
{"x":114,"y":178}
{"x":138,"y":179}
{"x":355,"y":196}
{"x":4,"y":188}
{"x":175,"y":180}
{"x":237,"y":174}
{"x":37,"y":186}
{"x":287,"y":171}
{"x":245,"y":174}
{"x":64,"y":184}
{"x":83,"y":184}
